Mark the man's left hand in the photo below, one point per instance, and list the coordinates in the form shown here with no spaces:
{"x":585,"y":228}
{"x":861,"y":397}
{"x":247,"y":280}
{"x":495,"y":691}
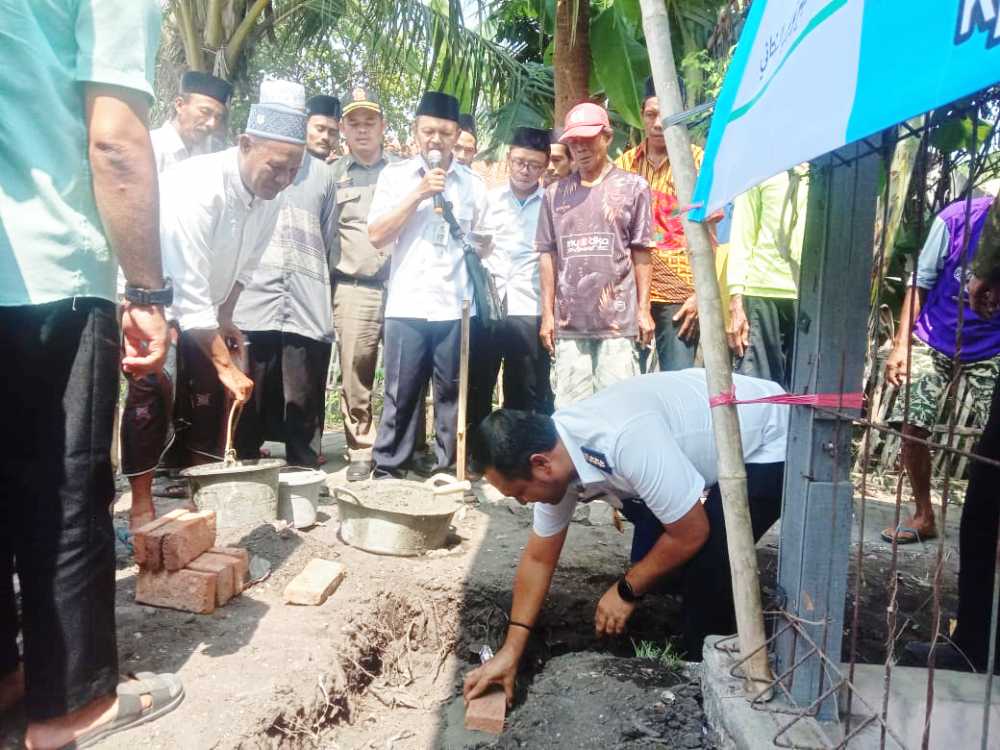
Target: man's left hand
{"x":612,"y":613}
{"x":145,"y":339}
{"x":687,"y":317}
{"x":235,"y":340}
{"x":647,"y":328}
{"x":983,"y":297}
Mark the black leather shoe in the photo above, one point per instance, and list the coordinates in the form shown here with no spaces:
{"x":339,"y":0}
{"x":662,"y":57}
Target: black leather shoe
{"x":359,"y":471}
{"x":387,"y":474}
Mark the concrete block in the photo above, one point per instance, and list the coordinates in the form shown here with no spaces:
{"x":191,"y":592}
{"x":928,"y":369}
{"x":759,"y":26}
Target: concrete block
{"x":187,"y":537}
{"x":224,"y":568}
{"x":188,"y":590}
{"x":147,"y":540}
{"x":242,"y":558}
{"x":487,"y":712}
{"x":314,"y":585}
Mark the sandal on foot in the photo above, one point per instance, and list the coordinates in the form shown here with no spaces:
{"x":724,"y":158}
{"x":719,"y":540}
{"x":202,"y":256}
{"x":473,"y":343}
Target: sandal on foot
{"x":906,"y":535}
{"x":166,"y":692}
{"x":174,"y":491}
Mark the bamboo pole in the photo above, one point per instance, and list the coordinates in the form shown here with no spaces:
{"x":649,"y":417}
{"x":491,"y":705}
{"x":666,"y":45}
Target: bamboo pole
{"x":718,"y":366}
{"x":463,"y":393}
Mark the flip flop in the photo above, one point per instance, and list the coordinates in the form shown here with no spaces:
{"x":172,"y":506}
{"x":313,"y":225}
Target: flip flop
{"x":165,"y":690}
{"x":912,"y":536}
{"x":174,"y":491}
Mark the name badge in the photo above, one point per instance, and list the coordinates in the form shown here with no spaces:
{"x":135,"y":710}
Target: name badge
{"x":596,"y":458}
{"x":438,"y":233}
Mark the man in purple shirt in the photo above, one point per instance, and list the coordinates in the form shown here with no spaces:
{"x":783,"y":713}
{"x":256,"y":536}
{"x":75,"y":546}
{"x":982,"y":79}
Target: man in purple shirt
{"x":937,"y":350}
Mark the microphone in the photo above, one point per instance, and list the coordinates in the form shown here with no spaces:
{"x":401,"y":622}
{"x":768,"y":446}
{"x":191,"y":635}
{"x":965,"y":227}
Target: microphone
{"x":434,"y":161}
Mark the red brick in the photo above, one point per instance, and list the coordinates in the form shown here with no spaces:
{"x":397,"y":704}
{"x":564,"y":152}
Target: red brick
{"x":187,"y":537}
{"x":487,"y":712}
{"x":188,"y":590}
{"x":147,"y":540}
{"x":242,"y":558}
{"x":224,"y":568}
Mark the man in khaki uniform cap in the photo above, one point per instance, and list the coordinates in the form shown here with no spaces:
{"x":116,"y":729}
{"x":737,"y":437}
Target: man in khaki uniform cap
{"x":358,"y":271}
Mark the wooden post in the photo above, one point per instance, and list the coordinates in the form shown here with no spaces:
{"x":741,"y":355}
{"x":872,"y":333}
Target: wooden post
{"x":718,"y":365}
{"x":463,"y":394}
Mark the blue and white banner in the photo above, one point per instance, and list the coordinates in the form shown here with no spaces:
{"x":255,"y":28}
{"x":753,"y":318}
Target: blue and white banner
{"x":809,"y":76}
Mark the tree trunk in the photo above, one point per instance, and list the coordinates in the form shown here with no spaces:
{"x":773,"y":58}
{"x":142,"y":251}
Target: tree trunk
{"x":571,"y":56}
{"x":718,"y":366}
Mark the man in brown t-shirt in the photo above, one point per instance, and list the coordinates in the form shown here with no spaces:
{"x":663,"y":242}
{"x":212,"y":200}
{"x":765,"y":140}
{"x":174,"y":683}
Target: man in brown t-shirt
{"x":594,"y":240}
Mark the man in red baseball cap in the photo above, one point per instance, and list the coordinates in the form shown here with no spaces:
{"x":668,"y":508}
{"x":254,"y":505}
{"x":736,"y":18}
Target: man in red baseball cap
{"x":594,"y":237}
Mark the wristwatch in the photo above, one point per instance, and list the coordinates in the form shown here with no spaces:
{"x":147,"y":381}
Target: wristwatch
{"x":625,"y":591}
{"x":139,"y":296}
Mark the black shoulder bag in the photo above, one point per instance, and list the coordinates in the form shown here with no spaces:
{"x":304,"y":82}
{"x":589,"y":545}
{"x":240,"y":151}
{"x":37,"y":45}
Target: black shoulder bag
{"x":484,"y":289}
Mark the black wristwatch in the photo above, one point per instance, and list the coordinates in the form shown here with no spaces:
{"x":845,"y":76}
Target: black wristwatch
{"x":139,"y":296}
{"x":625,"y":591}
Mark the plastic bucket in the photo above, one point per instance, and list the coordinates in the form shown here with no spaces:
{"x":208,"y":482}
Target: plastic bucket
{"x":298,"y":495}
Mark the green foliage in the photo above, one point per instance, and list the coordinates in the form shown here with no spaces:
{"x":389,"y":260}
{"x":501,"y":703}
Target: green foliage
{"x":665,"y":654}
{"x":620,"y":62}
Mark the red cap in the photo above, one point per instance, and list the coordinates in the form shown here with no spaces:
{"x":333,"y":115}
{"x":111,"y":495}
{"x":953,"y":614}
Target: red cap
{"x":585,"y":121}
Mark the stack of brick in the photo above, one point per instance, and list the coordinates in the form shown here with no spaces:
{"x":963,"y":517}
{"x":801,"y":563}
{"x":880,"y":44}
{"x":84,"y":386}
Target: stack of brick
{"x":181,"y":568}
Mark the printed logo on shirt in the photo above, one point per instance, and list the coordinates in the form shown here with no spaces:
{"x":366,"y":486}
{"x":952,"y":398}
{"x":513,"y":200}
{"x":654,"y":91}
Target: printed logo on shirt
{"x":596,"y":458}
{"x":590,"y":244}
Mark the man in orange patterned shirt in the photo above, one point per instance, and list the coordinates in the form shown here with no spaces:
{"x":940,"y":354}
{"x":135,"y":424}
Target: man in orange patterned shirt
{"x":674,"y":309}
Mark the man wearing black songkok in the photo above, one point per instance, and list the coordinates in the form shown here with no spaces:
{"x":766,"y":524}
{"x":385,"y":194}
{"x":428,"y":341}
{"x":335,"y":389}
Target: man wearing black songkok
{"x":427,"y":283}
{"x":323,"y":128}
{"x":199,"y":113}
{"x":512,"y":218}
{"x":468,"y":144}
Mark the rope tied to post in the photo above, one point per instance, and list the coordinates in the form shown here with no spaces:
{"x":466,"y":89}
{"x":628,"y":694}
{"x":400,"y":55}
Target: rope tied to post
{"x":821,"y":400}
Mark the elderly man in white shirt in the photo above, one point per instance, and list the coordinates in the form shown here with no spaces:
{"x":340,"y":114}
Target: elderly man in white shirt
{"x":646,"y":446}
{"x":199,"y":112}
{"x":511,"y":219}
{"x":427,"y":283}
{"x":217,"y":213}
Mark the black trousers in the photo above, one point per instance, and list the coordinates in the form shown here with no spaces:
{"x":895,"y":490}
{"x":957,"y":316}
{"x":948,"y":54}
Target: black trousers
{"x":706,"y":583}
{"x":671,"y":352}
{"x":514,"y":342}
{"x":978,"y":546}
{"x":415,"y":350}
{"x":288,"y":403}
{"x":772,"y":339}
{"x":60,"y":387}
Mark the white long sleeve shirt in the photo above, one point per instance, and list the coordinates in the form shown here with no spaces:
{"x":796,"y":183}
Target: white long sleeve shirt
{"x":213,"y":232}
{"x":169,"y":148}
{"x":514,"y":260}
{"x":428,"y":279}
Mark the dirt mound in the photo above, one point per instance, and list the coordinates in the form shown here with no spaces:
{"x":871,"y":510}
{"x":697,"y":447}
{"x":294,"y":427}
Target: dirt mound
{"x":588,"y":700}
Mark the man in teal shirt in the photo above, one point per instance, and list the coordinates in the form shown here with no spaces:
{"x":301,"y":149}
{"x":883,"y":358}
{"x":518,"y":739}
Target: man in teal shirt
{"x":77,"y":188}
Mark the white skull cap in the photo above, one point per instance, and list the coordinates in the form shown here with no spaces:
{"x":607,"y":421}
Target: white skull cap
{"x":286,"y":93}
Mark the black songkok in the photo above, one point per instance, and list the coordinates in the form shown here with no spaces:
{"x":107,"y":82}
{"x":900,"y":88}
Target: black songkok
{"x":321,"y":104}
{"x":533,"y":138}
{"x":467,"y":123}
{"x":438,"y":104}
{"x":196,"y":82}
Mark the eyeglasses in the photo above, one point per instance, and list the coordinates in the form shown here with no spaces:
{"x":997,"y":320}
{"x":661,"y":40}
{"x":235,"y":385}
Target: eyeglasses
{"x":527,"y":166}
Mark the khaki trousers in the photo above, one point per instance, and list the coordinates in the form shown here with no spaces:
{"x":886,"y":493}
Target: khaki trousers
{"x":357,"y":318}
{"x":583,"y":367}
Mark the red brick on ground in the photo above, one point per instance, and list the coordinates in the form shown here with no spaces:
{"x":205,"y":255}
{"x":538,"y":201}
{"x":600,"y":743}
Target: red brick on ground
{"x":187,"y":537}
{"x":225,"y":570}
{"x":487,"y":712}
{"x":314,"y":585}
{"x":188,"y":590}
{"x":147,"y":540}
{"x":242,"y":557}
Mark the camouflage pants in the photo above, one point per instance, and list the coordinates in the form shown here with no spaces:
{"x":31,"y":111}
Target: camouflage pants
{"x":930,"y":374}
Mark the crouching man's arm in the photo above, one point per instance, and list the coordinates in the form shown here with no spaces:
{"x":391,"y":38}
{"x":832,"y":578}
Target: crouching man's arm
{"x":531,"y":584}
{"x":679,"y":542}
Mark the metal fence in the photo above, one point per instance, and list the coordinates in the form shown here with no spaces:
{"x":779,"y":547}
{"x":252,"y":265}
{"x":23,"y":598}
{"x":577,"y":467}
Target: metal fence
{"x":815,"y":647}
